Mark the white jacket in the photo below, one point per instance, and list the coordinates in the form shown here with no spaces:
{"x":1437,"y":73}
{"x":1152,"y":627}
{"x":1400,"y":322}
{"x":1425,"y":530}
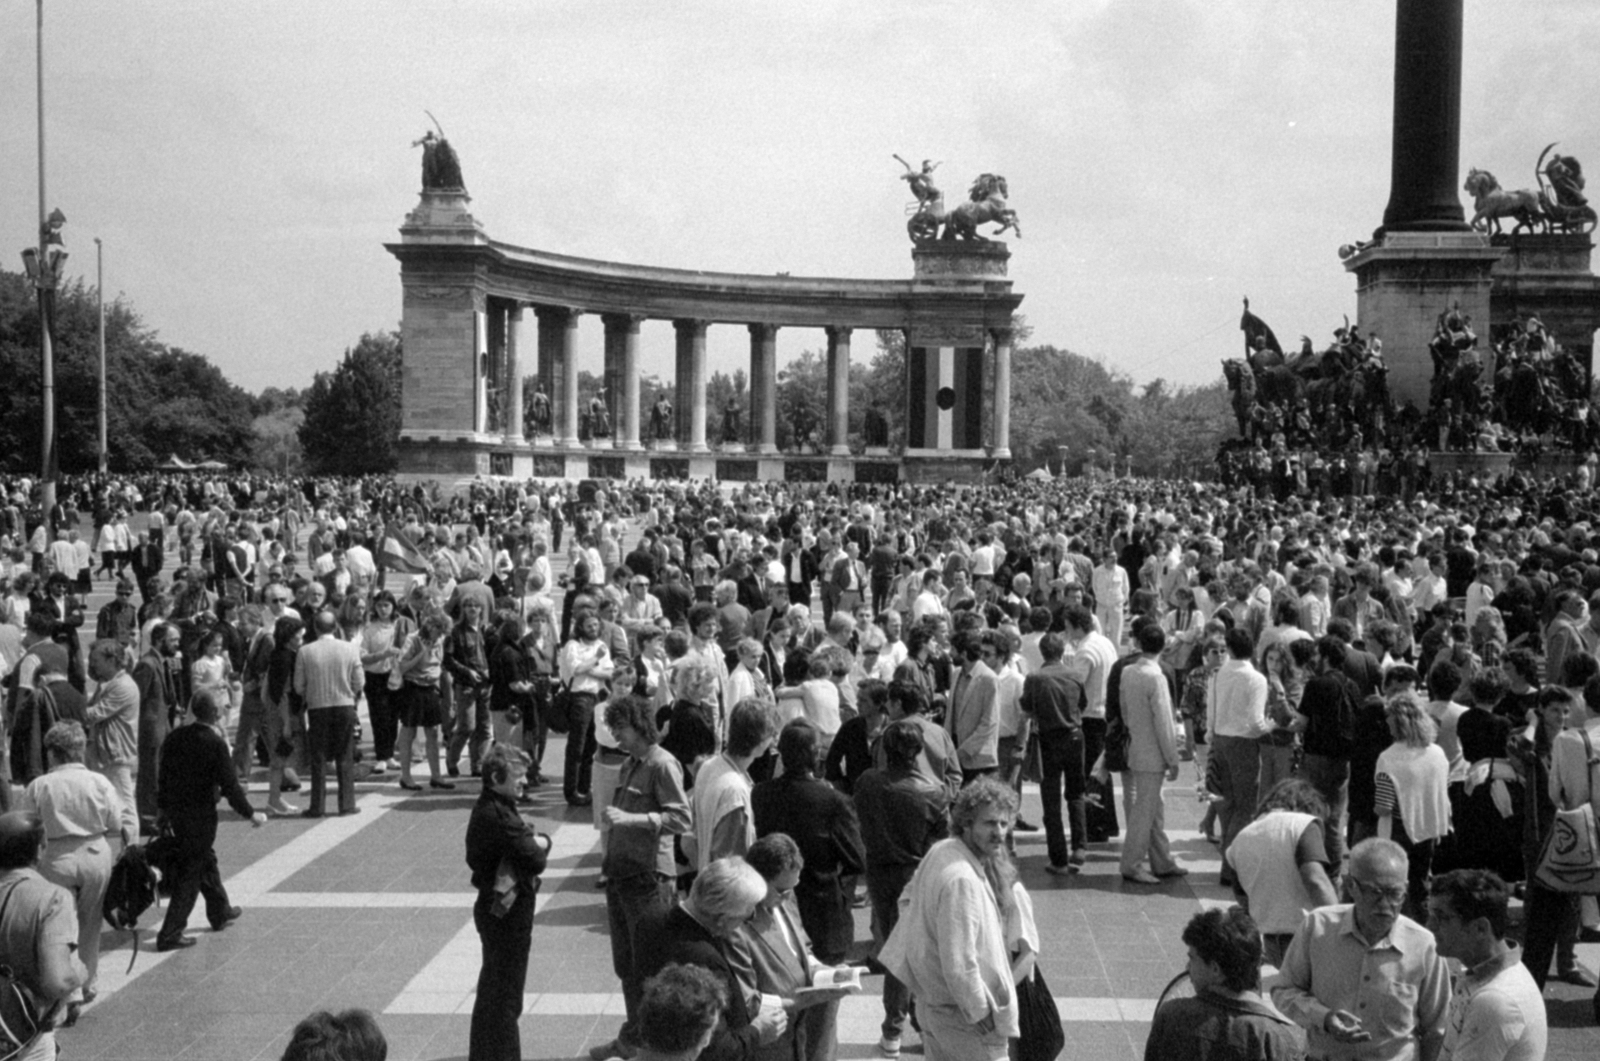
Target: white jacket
{"x":949,"y":946}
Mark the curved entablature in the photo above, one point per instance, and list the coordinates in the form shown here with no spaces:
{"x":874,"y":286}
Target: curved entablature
{"x":541,"y":278}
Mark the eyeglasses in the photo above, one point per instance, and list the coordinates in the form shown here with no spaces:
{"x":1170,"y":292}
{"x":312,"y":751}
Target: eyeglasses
{"x":1395,"y":893}
{"x":280,"y":600}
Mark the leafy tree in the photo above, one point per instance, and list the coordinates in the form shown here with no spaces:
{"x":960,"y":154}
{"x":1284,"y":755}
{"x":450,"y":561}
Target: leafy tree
{"x":802,"y":399}
{"x":160,"y":400}
{"x":352,"y":414}
{"x":277,"y":441}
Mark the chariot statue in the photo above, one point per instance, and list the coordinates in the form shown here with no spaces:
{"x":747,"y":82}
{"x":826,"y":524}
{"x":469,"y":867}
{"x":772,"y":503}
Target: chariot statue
{"x":1566,"y":208}
{"x":986,"y":202}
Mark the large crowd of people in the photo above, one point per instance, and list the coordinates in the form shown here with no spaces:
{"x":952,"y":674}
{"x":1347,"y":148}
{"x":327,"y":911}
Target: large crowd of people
{"x":781,"y":701}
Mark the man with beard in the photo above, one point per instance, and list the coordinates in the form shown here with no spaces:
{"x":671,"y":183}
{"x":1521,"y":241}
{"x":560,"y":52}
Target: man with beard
{"x":949,"y":947}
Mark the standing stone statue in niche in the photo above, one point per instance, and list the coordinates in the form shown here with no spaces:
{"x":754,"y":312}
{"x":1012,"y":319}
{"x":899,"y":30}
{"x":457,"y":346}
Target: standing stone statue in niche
{"x":731,"y":429}
{"x":599,"y":416}
{"x":441,"y":169}
{"x":539,"y":411}
{"x":661,"y":418}
{"x":876,"y":427}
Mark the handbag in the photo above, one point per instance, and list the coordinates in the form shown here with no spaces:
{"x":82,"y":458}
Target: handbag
{"x":20,"y":1018}
{"x":1041,"y":1036}
{"x":557,"y":705}
{"x":1118,"y":740}
{"x":1569,"y":862}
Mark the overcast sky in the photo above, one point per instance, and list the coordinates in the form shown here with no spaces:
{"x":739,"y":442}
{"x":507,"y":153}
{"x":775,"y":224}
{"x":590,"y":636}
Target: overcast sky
{"x":245,"y":161}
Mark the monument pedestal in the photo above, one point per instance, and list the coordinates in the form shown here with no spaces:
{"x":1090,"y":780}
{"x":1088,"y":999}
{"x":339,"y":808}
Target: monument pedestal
{"x":1548,"y":275}
{"x":1404,"y":281}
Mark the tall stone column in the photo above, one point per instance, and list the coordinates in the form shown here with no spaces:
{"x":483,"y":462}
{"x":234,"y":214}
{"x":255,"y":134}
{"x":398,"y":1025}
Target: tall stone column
{"x":622,"y":350}
{"x":764,"y":387}
{"x":692,"y":384}
{"x":839,"y":391}
{"x":1424,"y":165}
{"x":1425,"y":259}
{"x":567,"y":433}
{"x":516,"y":338}
{"x":1002,"y":394}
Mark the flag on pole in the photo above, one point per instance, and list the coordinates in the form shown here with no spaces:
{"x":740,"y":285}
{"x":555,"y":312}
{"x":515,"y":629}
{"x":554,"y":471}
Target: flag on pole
{"x":400,"y":553}
{"x":1254,"y":327}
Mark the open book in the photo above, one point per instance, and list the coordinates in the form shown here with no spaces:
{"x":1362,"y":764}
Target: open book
{"x":828,"y":983}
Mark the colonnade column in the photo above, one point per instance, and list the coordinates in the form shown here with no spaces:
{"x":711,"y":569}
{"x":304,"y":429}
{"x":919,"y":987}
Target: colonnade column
{"x":764,"y":387}
{"x":1002,"y":394}
{"x":692,"y":383}
{"x":568,"y":431}
{"x":515,"y":340}
{"x":622,"y":352}
{"x":839,"y":391}
{"x":552,"y":365}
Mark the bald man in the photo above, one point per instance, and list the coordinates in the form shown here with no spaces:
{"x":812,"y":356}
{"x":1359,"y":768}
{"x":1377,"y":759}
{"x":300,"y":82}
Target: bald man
{"x":1365,"y":981}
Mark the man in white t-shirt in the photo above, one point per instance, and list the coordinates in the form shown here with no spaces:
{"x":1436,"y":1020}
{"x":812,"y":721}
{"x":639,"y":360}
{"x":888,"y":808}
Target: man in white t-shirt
{"x":1496,"y":1009}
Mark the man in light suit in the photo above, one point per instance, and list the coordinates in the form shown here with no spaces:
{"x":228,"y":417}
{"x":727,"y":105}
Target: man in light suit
{"x":849,"y":578}
{"x":973,"y":718}
{"x":1146,"y":704}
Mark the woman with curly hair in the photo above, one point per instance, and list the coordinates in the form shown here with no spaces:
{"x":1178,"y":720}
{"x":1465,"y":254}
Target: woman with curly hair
{"x":1413,"y":797}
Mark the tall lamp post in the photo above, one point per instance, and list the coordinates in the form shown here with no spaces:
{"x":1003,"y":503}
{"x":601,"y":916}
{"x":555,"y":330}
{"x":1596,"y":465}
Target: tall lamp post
{"x":100,"y":312}
{"x":43,"y":265}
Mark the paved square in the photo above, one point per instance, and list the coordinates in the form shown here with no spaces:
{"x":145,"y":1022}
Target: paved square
{"x":374,"y":910}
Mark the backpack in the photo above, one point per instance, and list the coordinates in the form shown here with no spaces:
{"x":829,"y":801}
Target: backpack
{"x":1349,"y":711}
{"x":131,"y":888}
{"x":130,"y":891}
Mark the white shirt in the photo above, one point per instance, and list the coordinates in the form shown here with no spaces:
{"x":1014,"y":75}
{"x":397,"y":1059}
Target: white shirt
{"x":1099,"y":653}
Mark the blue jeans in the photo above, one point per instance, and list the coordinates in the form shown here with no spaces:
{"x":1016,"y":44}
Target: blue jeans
{"x":1062,"y":762}
{"x":1236,"y":761}
{"x":631,"y":901}
{"x":884,"y":885}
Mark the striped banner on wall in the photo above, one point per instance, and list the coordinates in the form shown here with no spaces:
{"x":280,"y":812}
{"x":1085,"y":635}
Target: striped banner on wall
{"x":945,"y":398}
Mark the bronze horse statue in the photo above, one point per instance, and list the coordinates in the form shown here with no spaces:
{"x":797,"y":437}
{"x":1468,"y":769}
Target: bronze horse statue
{"x":986,"y":202}
{"x":1242,"y":387}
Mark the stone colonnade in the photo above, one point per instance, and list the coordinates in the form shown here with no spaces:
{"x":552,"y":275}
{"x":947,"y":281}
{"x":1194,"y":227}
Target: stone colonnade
{"x":557,"y":357}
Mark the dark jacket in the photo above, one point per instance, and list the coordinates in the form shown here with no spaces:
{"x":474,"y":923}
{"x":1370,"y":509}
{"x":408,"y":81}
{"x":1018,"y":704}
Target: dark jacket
{"x":1210,"y":1027}
{"x":1054,"y":697}
{"x":195,"y":770}
{"x":496,"y":833}
{"x":679,"y":938}
{"x":822,"y":821}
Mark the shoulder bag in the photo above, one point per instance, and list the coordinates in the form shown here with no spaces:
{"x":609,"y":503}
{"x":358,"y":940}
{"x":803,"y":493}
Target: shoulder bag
{"x":1039,"y":1020}
{"x":1570,"y":860}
